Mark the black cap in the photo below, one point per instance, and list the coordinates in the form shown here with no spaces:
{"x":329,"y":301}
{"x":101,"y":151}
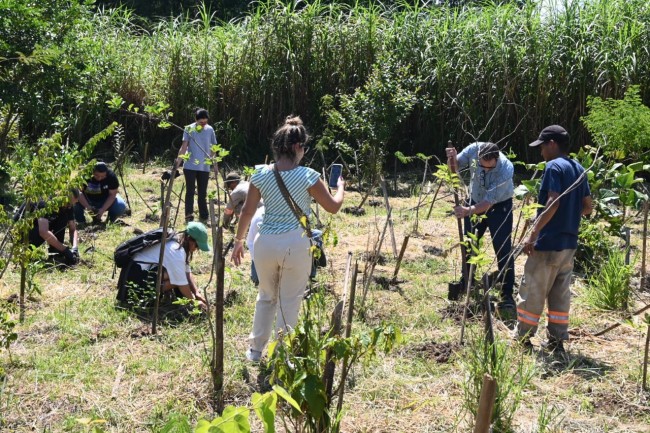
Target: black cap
{"x":553,"y":132}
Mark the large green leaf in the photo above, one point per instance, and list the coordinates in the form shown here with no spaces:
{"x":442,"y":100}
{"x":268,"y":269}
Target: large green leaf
{"x":265,"y":408}
{"x":285,"y":395}
{"x":313,"y":393}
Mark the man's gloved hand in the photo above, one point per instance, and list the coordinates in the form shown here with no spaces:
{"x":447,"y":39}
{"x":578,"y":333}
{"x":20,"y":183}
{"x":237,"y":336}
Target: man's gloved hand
{"x":70,"y":258}
{"x":75,"y":251}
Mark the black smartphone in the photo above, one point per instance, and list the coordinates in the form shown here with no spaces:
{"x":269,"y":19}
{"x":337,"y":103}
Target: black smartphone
{"x":335,"y":173}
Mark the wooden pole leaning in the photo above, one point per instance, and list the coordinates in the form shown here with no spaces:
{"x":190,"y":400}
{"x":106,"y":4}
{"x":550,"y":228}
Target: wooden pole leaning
{"x":463,"y":248}
{"x":390,"y":221}
{"x":217,"y":361}
{"x":164,"y":224}
{"x":348,"y":332}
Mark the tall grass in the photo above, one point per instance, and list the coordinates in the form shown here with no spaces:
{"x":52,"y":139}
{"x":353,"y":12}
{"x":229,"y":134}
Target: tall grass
{"x":521,"y":67}
{"x":609,"y":288}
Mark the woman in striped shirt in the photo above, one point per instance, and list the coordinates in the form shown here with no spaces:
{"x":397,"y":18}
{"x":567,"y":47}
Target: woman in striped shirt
{"x":282,"y":250}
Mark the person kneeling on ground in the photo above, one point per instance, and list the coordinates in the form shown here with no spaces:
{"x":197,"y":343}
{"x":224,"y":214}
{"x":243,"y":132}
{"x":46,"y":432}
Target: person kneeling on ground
{"x":100,"y":195}
{"x":51,"y":229}
{"x":139,"y":276}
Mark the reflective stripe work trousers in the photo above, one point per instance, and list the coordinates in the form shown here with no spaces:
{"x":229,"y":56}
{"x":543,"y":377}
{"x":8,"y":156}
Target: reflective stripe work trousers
{"x":547,"y":278}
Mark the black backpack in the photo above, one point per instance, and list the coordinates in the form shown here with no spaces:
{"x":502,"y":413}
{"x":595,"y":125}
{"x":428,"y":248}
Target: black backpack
{"x":127,"y":249}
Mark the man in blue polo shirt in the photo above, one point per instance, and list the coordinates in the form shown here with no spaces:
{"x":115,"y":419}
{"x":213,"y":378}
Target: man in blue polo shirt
{"x":552,"y":242}
{"x":491,"y":191}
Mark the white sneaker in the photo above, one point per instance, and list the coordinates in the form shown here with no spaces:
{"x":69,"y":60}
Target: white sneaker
{"x":253,"y":355}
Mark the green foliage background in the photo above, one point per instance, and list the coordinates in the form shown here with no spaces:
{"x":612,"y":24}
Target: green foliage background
{"x":508,"y":68}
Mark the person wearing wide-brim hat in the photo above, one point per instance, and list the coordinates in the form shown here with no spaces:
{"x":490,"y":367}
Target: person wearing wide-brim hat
{"x":140,"y":274}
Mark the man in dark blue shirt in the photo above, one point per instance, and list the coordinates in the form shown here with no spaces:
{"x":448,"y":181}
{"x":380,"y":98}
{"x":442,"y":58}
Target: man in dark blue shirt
{"x":551,"y":245}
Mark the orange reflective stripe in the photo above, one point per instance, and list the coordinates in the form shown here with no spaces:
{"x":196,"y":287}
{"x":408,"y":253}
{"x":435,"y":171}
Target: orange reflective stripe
{"x":558,"y":317}
{"x":558,"y":313}
{"x":526,"y":320}
{"x":526,"y":317}
{"x":528,"y":313}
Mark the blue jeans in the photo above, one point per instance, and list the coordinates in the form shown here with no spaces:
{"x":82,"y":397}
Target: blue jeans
{"x":499,"y":220}
{"x":115,"y":211}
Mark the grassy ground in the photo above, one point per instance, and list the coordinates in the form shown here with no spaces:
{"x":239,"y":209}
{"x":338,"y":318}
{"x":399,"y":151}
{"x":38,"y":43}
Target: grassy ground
{"x":78,"y":356}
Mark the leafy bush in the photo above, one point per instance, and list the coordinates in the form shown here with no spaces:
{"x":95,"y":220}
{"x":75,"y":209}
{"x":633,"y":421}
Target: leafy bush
{"x":621,"y":126}
{"x":507,"y":367}
{"x":609,"y":288}
{"x":300,"y":360}
{"x":594,"y":245}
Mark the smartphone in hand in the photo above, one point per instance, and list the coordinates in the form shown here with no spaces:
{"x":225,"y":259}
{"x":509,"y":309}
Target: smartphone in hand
{"x":335,"y":173}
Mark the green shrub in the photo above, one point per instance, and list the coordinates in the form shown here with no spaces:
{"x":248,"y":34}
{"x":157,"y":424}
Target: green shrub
{"x":508,"y":368}
{"x":609,"y":287}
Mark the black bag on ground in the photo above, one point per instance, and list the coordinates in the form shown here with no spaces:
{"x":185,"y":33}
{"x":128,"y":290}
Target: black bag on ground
{"x":127,"y":249}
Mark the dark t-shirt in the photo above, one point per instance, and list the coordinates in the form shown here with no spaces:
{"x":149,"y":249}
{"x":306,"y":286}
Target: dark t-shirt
{"x":58,"y":224}
{"x":97,"y":190}
{"x":561,"y":232}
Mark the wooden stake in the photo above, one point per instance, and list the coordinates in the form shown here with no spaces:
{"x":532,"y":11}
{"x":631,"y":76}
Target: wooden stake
{"x":463,"y":248}
{"x":645,"y":359}
{"x":400,"y":257}
{"x":348,"y":332}
{"x":616,"y":325}
{"x":217,"y":361}
{"x":164,"y":223}
{"x":485,"y":405}
{"x":390,"y":221}
{"x":468,"y":292}
{"x":330,"y":366}
{"x":644,"y":249}
{"x":375,"y":259}
{"x":435,"y":195}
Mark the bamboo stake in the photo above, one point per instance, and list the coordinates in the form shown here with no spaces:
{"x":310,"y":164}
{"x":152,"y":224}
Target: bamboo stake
{"x":617,"y":324}
{"x":348,"y":332}
{"x":217,"y":361}
{"x":435,"y":195}
{"x":164,"y":223}
{"x":645,"y":359}
{"x":485,"y":405}
{"x":375,"y":259}
{"x":330,"y":366}
{"x":487,"y":317}
{"x":400,"y":257}
{"x":463,"y":248}
{"x":417,"y":210}
{"x":390,"y":222}
{"x":178,"y":206}
{"x":143,"y":200}
{"x":644,"y":245}
{"x":468,"y":282}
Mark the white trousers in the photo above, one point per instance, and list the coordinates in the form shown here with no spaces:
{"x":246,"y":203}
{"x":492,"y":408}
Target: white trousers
{"x":283,"y":264}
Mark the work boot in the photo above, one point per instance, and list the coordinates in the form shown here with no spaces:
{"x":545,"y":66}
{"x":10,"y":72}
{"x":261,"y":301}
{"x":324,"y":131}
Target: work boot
{"x":555,"y":348}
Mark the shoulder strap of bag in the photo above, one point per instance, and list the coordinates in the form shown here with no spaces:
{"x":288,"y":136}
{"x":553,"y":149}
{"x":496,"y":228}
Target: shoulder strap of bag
{"x":297,"y":210}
